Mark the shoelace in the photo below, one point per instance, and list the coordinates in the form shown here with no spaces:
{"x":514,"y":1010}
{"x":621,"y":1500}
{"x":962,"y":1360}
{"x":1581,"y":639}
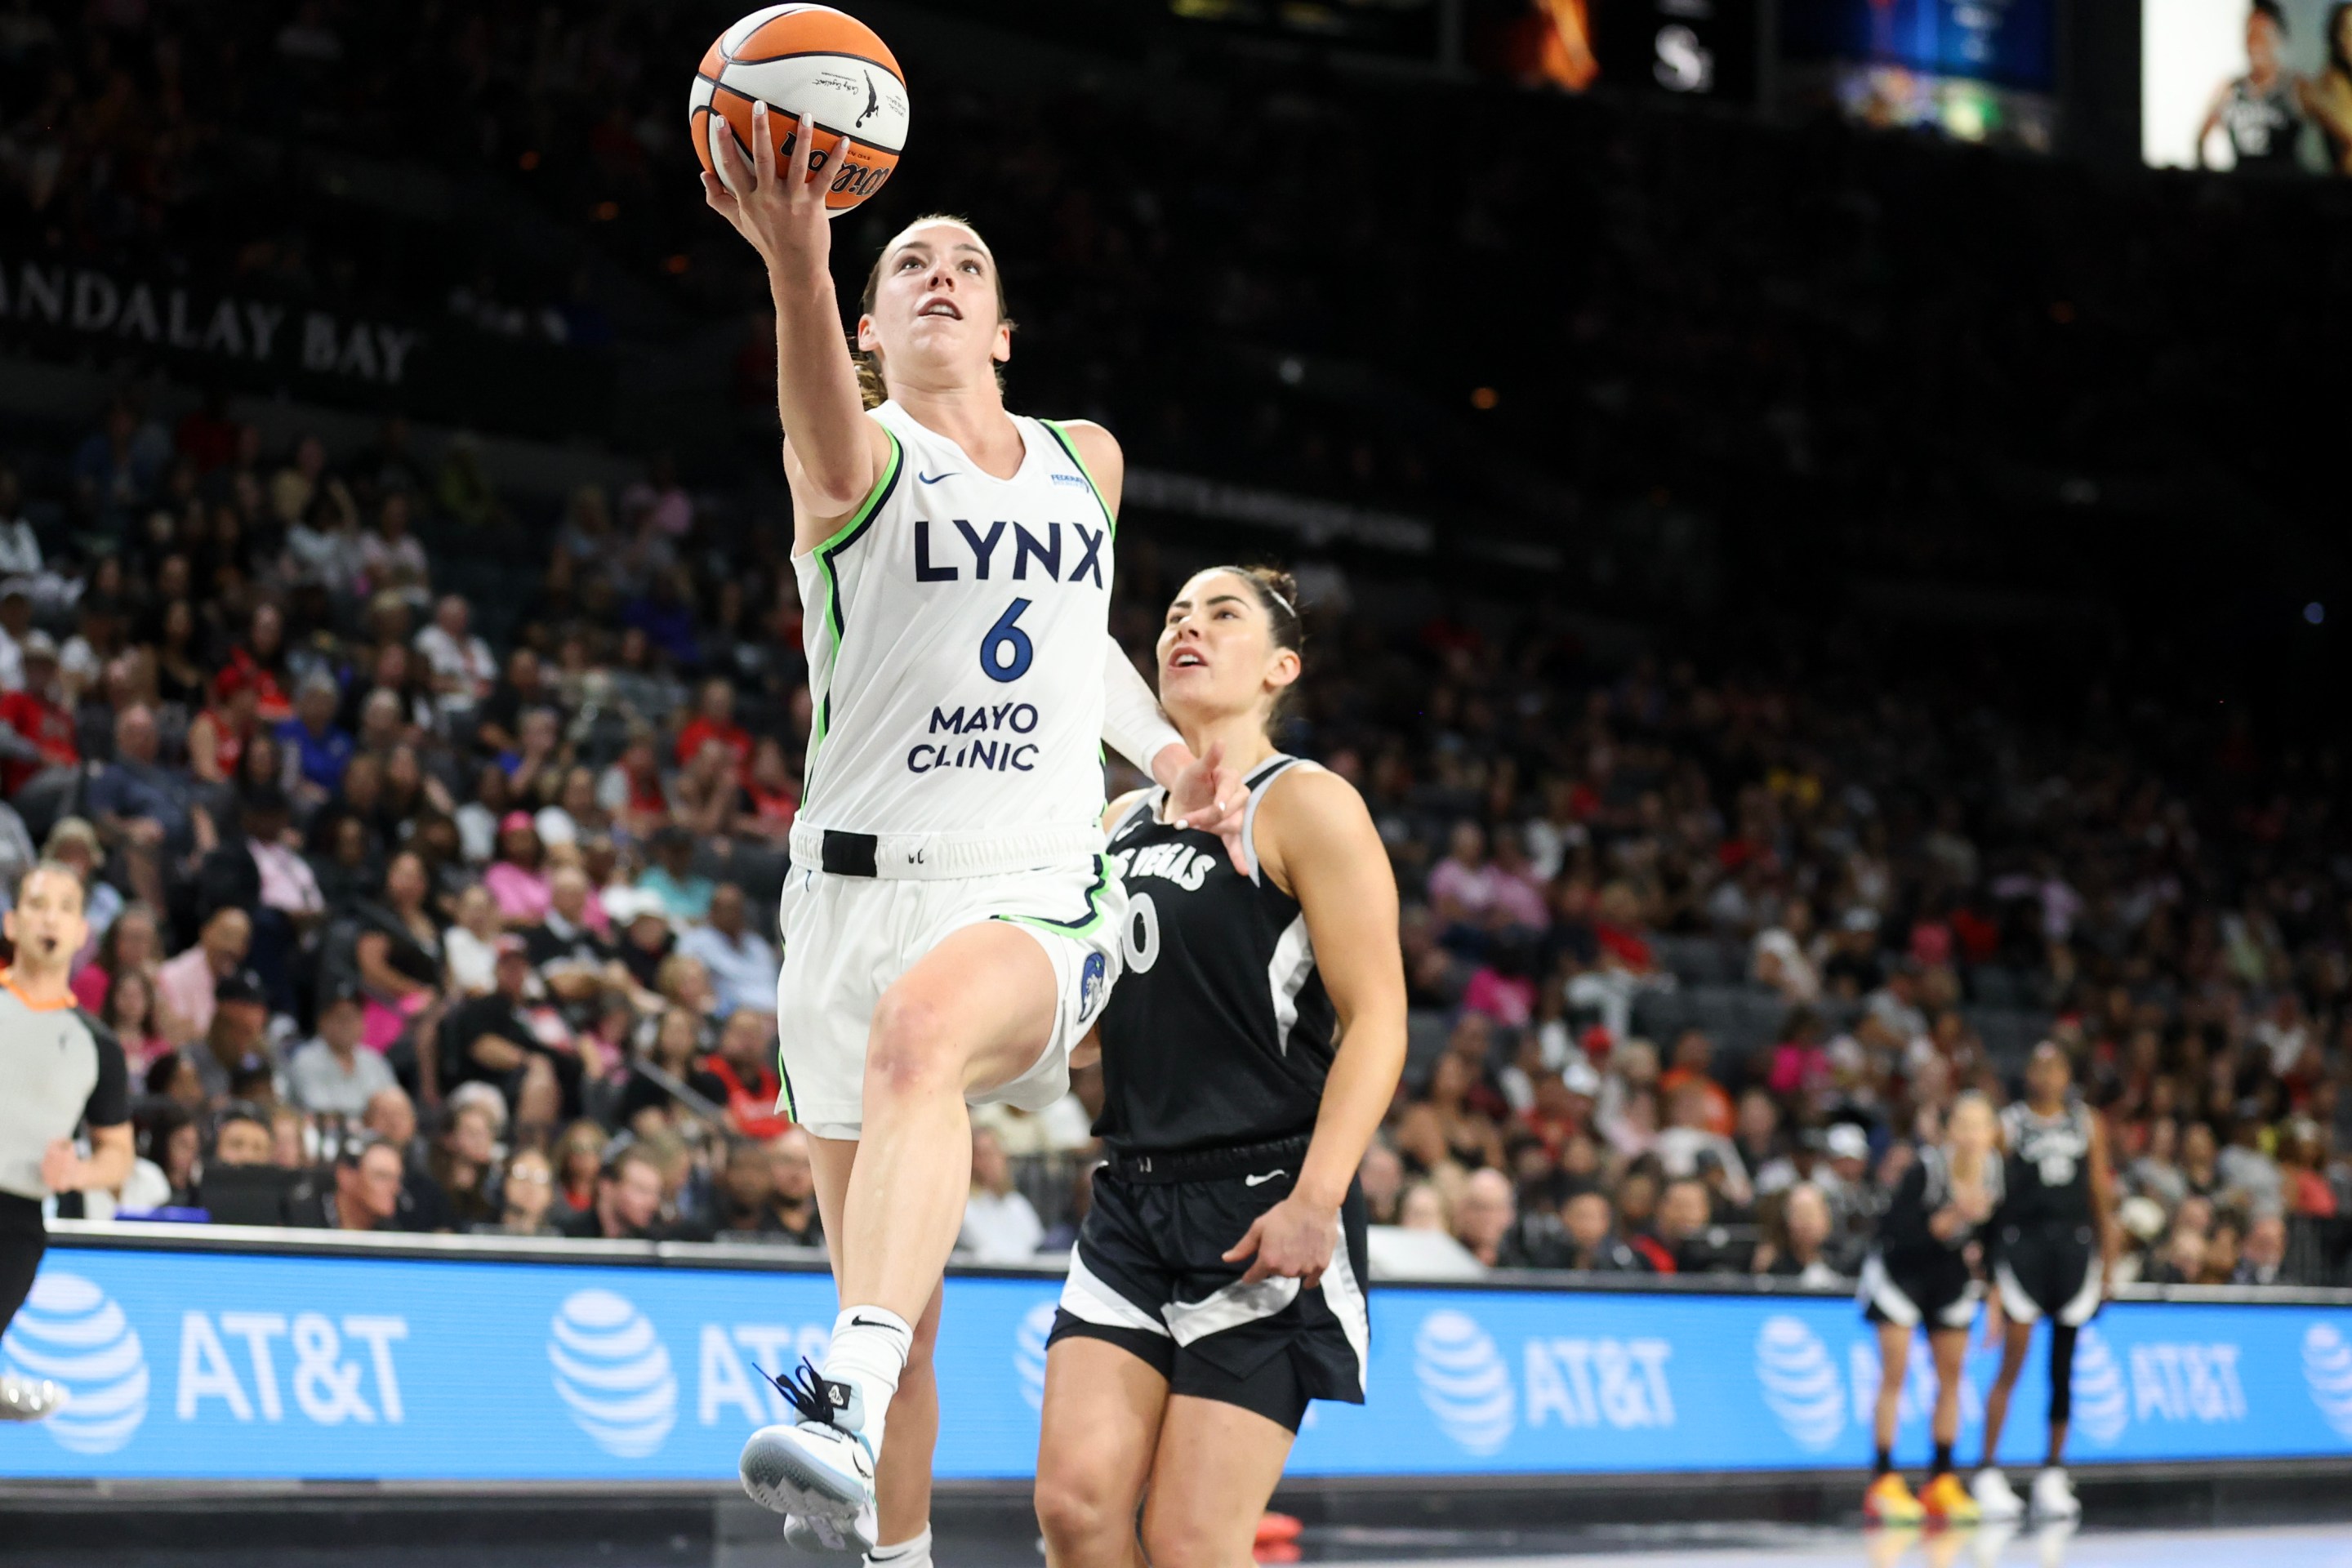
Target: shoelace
{"x":805,"y":1388}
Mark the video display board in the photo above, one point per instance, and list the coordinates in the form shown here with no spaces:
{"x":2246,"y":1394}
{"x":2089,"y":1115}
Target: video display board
{"x":1977,"y":70}
{"x":2256,"y":88}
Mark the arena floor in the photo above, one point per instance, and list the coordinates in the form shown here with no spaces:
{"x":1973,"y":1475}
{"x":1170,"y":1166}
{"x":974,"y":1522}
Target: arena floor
{"x":1712,"y":1546}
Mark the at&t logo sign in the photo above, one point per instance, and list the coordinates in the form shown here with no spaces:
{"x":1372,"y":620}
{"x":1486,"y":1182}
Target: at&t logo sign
{"x":1800,"y":1383}
{"x":2327,"y":1368}
{"x":71,"y":1333}
{"x":613,"y":1372}
{"x":1464,"y":1381}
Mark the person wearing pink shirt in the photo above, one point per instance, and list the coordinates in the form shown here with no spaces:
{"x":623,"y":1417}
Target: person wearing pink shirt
{"x":517,"y":879}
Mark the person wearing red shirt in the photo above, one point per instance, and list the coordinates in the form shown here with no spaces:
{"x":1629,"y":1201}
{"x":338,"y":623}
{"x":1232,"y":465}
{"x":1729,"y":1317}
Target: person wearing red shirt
{"x":743,"y":1071}
{"x":775,"y":798}
{"x":41,"y":732}
{"x":714,"y":720}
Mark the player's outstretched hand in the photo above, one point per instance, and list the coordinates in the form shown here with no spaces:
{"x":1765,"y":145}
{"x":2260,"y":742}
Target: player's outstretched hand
{"x":1292,"y":1240}
{"x":780,"y":212}
{"x":1209,"y":796}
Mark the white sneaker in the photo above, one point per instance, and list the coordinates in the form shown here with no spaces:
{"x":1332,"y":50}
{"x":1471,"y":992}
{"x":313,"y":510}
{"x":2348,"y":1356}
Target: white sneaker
{"x":1995,"y":1498}
{"x":30,"y":1399}
{"x":2053,"y":1495}
{"x":824,"y":1535}
{"x":821,"y":1470}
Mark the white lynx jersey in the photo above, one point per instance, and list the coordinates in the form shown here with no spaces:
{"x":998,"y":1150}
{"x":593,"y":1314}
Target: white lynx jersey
{"x":955,"y":626}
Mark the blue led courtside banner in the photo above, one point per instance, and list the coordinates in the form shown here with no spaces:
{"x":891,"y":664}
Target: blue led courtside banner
{"x":205,"y":1364}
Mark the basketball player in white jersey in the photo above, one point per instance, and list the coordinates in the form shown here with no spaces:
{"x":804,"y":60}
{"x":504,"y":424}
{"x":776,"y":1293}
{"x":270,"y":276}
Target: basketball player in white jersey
{"x":950,"y":924}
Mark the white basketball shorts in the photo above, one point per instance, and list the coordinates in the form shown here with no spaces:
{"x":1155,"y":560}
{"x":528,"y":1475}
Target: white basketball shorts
{"x":848,"y":939}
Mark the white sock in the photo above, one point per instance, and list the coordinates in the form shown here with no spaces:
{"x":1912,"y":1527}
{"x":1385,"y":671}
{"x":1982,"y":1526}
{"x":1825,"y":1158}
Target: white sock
{"x":912,"y":1552}
{"x":869,"y":1350}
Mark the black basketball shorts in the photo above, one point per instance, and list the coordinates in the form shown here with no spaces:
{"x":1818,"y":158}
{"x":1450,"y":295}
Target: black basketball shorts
{"x":23,"y":1239}
{"x":1939,"y":1294}
{"x":1149,"y":1275}
{"x":2048,"y":1271}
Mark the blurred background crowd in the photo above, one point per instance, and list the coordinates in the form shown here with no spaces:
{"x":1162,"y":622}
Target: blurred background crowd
{"x":1694,"y":956}
{"x":1818,"y":675}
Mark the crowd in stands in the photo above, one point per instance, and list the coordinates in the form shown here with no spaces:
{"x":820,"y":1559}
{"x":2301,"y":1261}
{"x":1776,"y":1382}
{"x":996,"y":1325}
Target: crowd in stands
{"x":1695,"y":958}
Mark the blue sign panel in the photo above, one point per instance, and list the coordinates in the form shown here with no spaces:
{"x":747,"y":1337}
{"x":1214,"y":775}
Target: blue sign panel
{"x":2010,"y":42}
{"x":216,"y":1365}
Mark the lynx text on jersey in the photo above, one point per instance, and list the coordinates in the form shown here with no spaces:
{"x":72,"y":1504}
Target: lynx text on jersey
{"x":1082,"y":552}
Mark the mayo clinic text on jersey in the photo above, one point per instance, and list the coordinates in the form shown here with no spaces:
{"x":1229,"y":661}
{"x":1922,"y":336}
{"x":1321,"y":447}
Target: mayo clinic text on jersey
{"x":1001,"y":755}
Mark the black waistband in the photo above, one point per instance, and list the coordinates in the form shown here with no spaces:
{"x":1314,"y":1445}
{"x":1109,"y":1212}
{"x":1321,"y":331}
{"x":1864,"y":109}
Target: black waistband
{"x":848,"y":854}
{"x":1206,"y":1164}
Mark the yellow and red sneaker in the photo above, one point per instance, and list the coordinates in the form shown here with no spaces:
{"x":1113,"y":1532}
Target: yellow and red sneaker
{"x":1947,"y":1502}
{"x":1889,"y":1501}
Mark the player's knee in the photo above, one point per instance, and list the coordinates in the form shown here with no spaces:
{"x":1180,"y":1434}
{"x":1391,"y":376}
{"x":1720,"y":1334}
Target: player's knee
{"x":1174,"y":1542}
{"x":909,"y":1048}
{"x":1080,"y":1518}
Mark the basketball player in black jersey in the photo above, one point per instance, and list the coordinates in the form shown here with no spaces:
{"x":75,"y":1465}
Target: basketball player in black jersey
{"x":1248,"y":1056}
{"x":1922,"y":1273}
{"x":2053,"y":1246}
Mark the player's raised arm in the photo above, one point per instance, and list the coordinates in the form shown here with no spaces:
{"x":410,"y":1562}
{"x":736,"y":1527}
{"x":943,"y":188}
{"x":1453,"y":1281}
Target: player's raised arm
{"x":831,"y":451}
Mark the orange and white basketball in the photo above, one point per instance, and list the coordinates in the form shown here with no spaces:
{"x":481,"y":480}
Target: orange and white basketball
{"x":814,"y":66}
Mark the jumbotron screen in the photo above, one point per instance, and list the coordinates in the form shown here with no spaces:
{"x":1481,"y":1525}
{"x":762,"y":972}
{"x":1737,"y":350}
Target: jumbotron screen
{"x":1977,"y":70}
{"x":2260,"y":88}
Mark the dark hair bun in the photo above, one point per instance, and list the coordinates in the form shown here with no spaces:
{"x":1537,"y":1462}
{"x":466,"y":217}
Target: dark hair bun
{"x":1278,"y":590}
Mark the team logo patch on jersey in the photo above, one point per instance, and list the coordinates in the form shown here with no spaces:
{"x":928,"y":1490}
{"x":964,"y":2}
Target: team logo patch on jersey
{"x":1076,"y":480}
{"x":1094,"y":986}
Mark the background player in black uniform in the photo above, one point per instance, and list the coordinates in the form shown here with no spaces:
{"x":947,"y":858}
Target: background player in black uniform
{"x":2053,"y":1248}
{"x":1248,"y":1055}
{"x":1922,"y":1273}
{"x":58,"y":1069}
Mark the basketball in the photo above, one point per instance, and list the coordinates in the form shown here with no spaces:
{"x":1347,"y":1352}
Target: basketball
{"x":814,"y":66}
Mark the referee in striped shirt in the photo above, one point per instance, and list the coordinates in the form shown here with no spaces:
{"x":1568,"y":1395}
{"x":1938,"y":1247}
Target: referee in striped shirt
{"x":60,"y":1067}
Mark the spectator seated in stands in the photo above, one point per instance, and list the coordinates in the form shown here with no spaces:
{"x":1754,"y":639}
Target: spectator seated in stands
{"x":685,"y":894}
{"x":741,"y":1075}
{"x":499,"y":1039}
{"x":627,"y":1206}
{"x":188,"y":983}
{"x":334,"y":1073}
{"x":1797,"y":1240}
{"x":1000,"y":1225}
{"x":526,"y":1196}
{"x":368,"y":1190}
{"x":747,"y":1190}
{"x":1591,"y":1241}
{"x":742,"y":963}
{"x":792,"y":1213}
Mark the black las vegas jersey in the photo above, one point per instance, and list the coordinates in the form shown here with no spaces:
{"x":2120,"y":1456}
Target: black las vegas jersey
{"x":2049,"y":1174}
{"x":1219,"y":1032}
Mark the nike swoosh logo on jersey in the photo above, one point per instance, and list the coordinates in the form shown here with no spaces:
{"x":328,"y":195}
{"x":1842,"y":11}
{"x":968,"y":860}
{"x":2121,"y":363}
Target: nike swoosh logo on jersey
{"x":1260,"y":1181}
{"x":923,"y":478}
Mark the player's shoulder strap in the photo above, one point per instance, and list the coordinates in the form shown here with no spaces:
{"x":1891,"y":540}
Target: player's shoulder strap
{"x":1258,"y":783}
{"x":1144,"y":802}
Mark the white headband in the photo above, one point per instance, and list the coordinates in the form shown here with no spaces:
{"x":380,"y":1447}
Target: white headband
{"x":1269,"y":589}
